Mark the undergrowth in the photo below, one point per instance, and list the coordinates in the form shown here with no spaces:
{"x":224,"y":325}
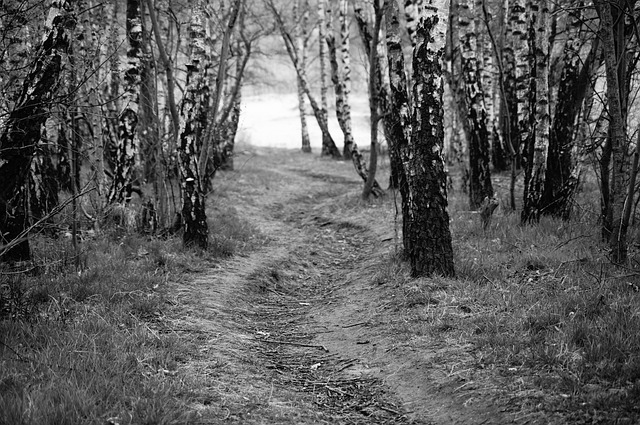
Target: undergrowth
{"x":82,"y":338}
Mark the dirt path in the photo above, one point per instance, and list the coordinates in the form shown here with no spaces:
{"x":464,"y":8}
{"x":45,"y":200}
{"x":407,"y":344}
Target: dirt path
{"x":305,"y":329}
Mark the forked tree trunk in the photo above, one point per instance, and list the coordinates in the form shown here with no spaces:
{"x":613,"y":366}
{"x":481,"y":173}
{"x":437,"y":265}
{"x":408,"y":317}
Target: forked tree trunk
{"x":128,"y":141}
{"x":301,"y":37}
{"x":480,"y":185}
{"x":425,"y":219}
{"x":193,"y":125}
{"x":23,"y":126}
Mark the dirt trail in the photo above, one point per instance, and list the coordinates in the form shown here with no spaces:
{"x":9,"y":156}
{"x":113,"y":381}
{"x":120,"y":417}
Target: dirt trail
{"x":302,"y":330}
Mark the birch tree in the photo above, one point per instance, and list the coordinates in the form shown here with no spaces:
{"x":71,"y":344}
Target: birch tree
{"x":128,"y":140}
{"x":538,"y":140}
{"x":193,"y":124}
{"x":480,"y":185}
{"x":420,"y":133}
{"x":301,"y":34}
{"x":22,"y":129}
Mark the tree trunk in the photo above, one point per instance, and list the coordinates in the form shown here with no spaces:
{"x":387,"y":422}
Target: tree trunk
{"x":345,"y":59}
{"x":192,"y":130}
{"x":128,"y":140}
{"x":480,"y":185}
{"x":400,"y":114}
{"x":428,"y":218}
{"x":207,"y":142}
{"x":323,"y":59}
{"x":23,"y":126}
{"x":149,"y":123}
{"x":539,"y":133}
{"x":373,"y":101}
{"x":426,"y":235}
{"x":384,"y":95}
{"x":614,"y":60}
{"x":301,"y":38}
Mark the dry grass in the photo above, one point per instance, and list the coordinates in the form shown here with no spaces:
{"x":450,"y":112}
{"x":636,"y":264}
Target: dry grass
{"x":87,"y":346}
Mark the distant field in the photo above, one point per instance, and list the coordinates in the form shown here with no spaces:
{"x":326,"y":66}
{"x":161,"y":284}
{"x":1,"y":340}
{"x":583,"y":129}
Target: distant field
{"x":273,"y":120}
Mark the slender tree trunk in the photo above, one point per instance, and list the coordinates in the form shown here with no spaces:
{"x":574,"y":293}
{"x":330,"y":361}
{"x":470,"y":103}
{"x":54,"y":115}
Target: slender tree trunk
{"x":23,"y":126}
{"x":192,"y":129}
{"x":539,"y":133}
{"x":328,"y":145}
{"x":322,"y":55}
{"x":614,"y":54}
{"x":301,"y":38}
{"x":128,"y":140}
{"x":373,"y":100}
{"x":345,"y":59}
{"x":168,"y":67}
{"x":480,"y":185}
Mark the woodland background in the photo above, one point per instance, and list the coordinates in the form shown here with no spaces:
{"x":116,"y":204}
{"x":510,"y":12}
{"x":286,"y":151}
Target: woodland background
{"x":119,"y":123}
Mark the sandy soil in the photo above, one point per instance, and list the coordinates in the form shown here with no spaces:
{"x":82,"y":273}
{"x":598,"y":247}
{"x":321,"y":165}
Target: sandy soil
{"x":304,"y":329}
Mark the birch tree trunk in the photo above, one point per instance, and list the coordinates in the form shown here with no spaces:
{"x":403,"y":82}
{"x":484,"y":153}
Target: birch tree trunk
{"x":521,"y":119}
{"x":480,"y":185}
{"x":539,"y":133}
{"x":301,"y":12}
{"x":128,"y":140}
{"x":345,"y":80}
{"x":426,"y":232}
{"x":193,"y":124}
{"x":23,"y":127}
{"x":322,"y":55}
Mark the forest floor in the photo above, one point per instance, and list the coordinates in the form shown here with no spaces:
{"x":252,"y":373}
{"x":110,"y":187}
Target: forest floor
{"x":303,"y":311}
{"x":322,"y":324}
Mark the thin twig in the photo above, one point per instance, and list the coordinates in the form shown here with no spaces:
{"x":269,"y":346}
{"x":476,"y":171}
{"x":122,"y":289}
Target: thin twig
{"x":297,"y":344}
